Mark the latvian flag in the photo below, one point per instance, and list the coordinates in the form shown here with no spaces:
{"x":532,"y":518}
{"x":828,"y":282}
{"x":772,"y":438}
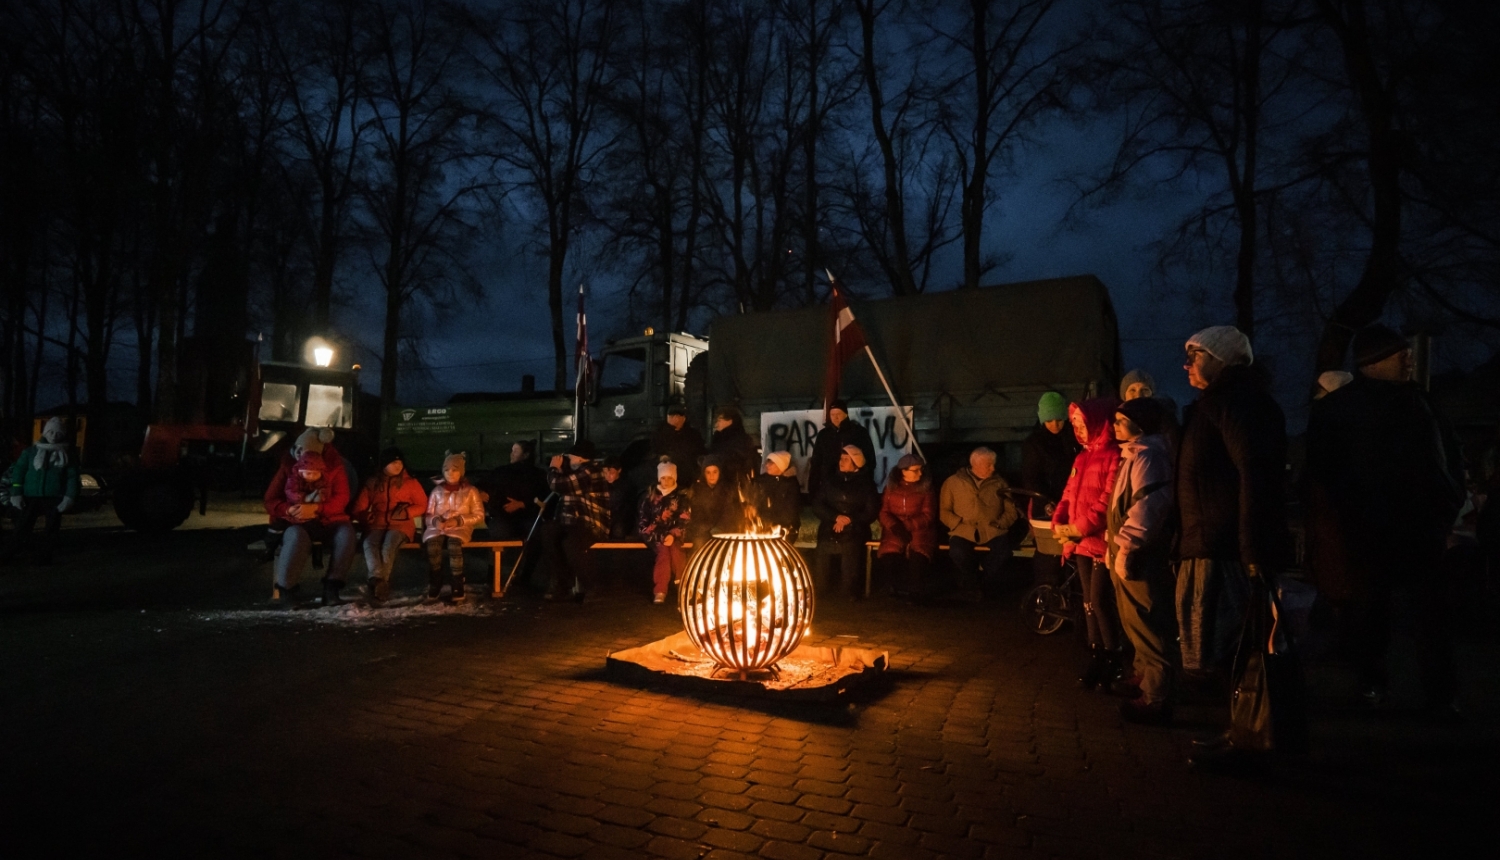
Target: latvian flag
{"x":847,"y":340}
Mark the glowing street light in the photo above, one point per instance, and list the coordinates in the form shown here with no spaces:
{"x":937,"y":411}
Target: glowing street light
{"x":323,"y":356}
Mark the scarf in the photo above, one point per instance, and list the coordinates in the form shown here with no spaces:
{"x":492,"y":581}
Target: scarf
{"x":54,"y":452}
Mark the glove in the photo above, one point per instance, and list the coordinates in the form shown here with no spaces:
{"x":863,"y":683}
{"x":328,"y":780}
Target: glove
{"x":62,"y":506}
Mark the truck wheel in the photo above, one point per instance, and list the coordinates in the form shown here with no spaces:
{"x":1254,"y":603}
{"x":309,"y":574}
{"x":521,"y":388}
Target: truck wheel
{"x":156,"y":501}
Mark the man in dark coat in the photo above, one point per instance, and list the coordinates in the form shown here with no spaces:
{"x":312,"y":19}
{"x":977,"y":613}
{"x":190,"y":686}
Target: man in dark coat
{"x":845,"y":505}
{"x":1231,"y":469}
{"x":514,"y":490}
{"x":829,"y":446}
{"x":737,"y":453}
{"x":680,"y":443}
{"x":1385,"y":483}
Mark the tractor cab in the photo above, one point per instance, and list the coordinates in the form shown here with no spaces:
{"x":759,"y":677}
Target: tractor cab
{"x":293,"y":396}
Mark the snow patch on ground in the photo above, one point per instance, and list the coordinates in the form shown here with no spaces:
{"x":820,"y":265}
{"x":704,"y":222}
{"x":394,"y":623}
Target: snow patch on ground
{"x":398,"y":610}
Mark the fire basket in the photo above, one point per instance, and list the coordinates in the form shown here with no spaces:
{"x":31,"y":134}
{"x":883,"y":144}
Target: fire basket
{"x":746,"y":600}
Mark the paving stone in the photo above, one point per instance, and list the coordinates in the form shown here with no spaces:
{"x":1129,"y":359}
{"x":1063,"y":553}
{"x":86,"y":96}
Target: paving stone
{"x":842,"y":843}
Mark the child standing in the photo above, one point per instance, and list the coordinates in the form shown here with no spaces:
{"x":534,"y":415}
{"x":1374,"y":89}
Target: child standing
{"x":453,"y":510}
{"x":662,"y":523}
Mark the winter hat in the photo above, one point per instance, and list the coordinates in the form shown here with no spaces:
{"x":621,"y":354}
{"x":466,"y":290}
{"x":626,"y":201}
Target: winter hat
{"x":1376,"y":342}
{"x":582,"y":448}
{"x":839,"y":403}
{"x":612,"y":463}
{"x":1135,"y":376}
{"x":459,"y":461}
{"x":1224,"y":342}
{"x":782,"y":459}
{"x":312,"y":439}
{"x":856,"y":455}
{"x":310,"y":462}
{"x":1052,"y":407}
{"x":1144,"y":412}
{"x":51,"y":447}
{"x":909,"y":460}
{"x":710,"y":460}
{"x":665,"y":469}
{"x":1332,"y":380}
{"x":390,"y":455}
{"x":676,"y":409}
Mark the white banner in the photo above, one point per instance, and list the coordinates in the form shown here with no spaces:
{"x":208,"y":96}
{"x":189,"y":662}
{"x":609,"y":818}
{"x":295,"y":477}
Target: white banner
{"x":795,"y":433}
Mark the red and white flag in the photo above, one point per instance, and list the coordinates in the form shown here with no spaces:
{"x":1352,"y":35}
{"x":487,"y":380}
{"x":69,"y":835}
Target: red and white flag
{"x":581,"y":351}
{"x":847,"y":340}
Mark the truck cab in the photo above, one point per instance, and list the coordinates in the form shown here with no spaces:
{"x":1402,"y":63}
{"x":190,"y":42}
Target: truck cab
{"x":638,"y":378}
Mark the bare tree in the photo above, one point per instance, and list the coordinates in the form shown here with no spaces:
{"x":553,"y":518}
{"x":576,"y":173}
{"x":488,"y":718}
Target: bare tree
{"x":549,"y":64}
{"x":909,"y":173}
{"x":1008,"y":71}
{"x":419,"y":120}
{"x":322,"y":52}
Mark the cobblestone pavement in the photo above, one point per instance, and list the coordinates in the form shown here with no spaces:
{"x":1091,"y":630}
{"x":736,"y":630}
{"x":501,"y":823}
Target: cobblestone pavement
{"x":144,"y":713}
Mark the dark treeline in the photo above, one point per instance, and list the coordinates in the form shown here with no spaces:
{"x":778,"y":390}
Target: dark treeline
{"x":173,"y":170}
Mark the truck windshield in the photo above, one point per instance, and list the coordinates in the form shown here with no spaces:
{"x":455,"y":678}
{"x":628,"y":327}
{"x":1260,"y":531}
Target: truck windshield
{"x":279,"y":401}
{"x":624,"y":372}
{"x":330,"y":406}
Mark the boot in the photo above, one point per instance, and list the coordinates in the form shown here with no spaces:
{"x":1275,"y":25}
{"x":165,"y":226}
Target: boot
{"x":286,"y":598}
{"x":379,"y":589}
{"x":1093,"y":671}
{"x":434,"y":586}
{"x":1114,"y":668}
{"x":331,"y":589}
{"x":458,"y":597}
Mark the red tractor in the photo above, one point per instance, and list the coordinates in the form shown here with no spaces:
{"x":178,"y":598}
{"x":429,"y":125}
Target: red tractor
{"x":242,"y":414}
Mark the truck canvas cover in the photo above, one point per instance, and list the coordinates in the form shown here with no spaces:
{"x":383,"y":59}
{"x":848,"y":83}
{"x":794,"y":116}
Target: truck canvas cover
{"x":972,"y":362}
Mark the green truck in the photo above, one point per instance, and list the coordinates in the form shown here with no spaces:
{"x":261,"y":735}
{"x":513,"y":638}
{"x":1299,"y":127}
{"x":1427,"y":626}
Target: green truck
{"x":969,"y":363}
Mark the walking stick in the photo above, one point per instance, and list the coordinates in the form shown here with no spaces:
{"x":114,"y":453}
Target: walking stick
{"x":525,"y":544}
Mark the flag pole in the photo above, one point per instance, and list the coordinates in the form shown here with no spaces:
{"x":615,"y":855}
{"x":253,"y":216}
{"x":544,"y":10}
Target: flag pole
{"x":900,"y":410}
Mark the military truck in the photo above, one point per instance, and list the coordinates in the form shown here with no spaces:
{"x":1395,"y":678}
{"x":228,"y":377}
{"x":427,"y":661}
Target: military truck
{"x":635,"y":380}
{"x":971,"y":364}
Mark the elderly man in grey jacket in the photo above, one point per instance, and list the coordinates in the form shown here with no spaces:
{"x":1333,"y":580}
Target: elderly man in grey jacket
{"x":976,"y":509}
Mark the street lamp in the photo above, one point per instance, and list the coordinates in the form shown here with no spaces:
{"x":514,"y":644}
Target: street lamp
{"x":323,"y":356}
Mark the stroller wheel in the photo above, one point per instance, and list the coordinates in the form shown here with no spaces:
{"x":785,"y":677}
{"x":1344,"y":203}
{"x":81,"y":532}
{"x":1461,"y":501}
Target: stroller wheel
{"x":1047,"y":608}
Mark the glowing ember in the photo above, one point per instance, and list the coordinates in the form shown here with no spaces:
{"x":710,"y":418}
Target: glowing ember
{"x":746,"y":600}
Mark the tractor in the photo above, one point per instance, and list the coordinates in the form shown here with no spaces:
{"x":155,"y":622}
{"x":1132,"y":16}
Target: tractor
{"x":241,"y":414}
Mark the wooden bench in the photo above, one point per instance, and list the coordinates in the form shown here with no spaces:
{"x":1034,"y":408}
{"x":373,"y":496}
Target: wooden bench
{"x":498,"y":547}
{"x":871,"y":546}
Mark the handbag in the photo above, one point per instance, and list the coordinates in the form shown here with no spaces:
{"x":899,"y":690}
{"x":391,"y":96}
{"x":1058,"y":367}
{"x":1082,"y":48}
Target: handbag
{"x":1268,"y":709}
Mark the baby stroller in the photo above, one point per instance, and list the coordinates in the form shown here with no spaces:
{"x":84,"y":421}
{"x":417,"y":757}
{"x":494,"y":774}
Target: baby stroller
{"x":1048,"y":607}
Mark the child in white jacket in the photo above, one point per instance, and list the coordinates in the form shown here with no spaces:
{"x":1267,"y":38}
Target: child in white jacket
{"x":1140,"y":519}
{"x":454,"y":508}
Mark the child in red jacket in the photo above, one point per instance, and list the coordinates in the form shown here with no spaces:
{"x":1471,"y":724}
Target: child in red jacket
{"x":386,"y":510}
{"x":1081,"y":520}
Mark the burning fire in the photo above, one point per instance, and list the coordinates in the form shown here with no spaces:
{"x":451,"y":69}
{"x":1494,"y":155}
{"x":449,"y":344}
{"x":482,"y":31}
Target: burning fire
{"x":747,"y":600}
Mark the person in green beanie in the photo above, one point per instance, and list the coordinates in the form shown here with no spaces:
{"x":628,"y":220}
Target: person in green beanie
{"x":1046,"y":459}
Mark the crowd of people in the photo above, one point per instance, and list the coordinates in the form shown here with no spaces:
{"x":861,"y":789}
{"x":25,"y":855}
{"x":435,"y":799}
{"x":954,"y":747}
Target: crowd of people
{"x":1176,"y":525}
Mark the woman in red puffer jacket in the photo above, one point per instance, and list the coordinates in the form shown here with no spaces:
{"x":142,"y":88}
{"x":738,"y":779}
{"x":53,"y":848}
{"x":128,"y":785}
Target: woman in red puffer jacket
{"x":908,"y":527}
{"x":1084,"y":510}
